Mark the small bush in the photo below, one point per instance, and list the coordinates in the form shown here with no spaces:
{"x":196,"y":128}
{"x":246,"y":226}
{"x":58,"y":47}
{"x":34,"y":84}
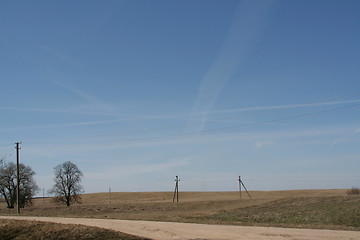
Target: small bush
{"x":353,"y":191}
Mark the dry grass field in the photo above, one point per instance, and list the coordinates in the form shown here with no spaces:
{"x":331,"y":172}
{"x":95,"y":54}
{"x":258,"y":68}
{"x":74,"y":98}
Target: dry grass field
{"x":325,"y":209}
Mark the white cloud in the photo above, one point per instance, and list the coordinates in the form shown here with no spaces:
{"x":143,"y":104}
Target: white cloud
{"x":263,"y":143}
{"x":129,"y":170}
{"x":94,"y":144}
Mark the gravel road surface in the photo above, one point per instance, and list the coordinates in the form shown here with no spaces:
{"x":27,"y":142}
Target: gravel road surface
{"x":187,"y":231}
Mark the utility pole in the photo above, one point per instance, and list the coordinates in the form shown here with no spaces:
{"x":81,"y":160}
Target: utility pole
{"x":241,"y":183}
{"x":17,"y":179}
{"x":240,"y":186}
{"x":110,"y":196}
{"x":176,"y":193}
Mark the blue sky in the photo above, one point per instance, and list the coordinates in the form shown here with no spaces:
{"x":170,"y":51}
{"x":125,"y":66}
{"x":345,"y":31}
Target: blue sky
{"x":137,"y":92}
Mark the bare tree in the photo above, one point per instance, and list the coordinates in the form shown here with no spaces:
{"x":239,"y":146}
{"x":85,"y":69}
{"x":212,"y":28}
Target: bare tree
{"x":28,"y":186}
{"x":67,"y":186}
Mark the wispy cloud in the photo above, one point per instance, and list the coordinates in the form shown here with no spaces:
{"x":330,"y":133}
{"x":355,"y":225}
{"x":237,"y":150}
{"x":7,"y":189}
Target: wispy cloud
{"x":185,"y":116}
{"x":246,"y":27}
{"x":253,"y":109}
{"x":140,"y":168}
{"x":346,"y":137}
{"x":337,"y":141}
{"x":29,"y":109}
{"x":85,"y":96}
{"x":288,"y":106}
{"x":77,"y":124}
{"x":302,"y":137}
{"x":133,"y":119}
{"x":261,"y":144}
{"x":60,"y":55}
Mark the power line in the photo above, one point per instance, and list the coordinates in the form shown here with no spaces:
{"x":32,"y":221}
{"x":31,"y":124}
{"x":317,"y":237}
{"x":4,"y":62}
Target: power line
{"x":215,"y":130}
{"x":310,"y":114}
{"x":220,"y":130}
{"x":6,"y":146}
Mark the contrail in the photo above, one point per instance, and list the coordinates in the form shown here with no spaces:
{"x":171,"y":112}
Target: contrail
{"x":253,"y":109}
{"x":289,"y":106}
{"x":249,"y":20}
{"x":51,"y":110}
{"x":67,"y":124}
{"x":84,"y":96}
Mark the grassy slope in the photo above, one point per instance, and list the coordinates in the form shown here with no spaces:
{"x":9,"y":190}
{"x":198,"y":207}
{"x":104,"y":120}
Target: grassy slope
{"x":30,"y":230}
{"x":328,"y":209}
{"x":310,"y":212}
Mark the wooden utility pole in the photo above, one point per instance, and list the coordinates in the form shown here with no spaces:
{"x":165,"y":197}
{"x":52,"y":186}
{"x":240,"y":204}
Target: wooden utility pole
{"x":240,"y":186}
{"x":176,"y":193}
{"x":110,"y":196}
{"x":17,"y":179}
{"x":241,"y":183}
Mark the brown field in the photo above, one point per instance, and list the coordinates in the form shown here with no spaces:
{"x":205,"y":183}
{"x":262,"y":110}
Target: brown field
{"x":32,"y":230}
{"x":325,"y":209}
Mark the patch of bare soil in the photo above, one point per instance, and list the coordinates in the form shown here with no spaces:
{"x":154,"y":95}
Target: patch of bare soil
{"x":33,"y":230}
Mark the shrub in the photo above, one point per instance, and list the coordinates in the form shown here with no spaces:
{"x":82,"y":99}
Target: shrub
{"x":353,"y":191}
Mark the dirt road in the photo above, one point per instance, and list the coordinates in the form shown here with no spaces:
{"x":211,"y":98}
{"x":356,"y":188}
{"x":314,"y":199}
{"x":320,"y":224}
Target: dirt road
{"x":185,"y":231}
